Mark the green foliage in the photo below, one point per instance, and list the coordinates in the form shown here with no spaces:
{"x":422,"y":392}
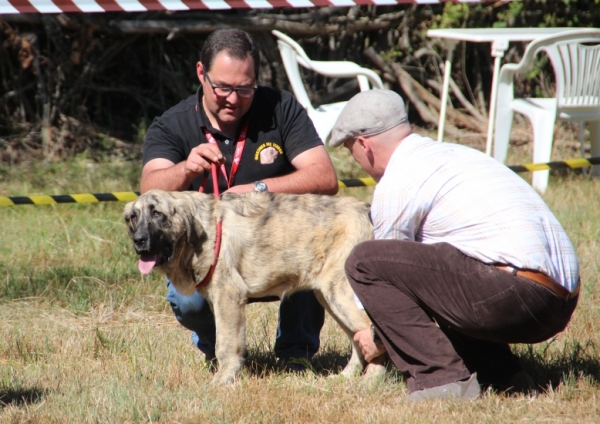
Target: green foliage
{"x":455,"y":15}
{"x":141,"y":130}
{"x":507,"y":17}
{"x":80,"y":174}
{"x":392,"y":55}
{"x":533,"y":13}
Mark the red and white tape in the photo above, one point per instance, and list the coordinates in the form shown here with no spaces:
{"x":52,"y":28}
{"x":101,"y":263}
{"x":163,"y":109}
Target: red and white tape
{"x":94,"y":6}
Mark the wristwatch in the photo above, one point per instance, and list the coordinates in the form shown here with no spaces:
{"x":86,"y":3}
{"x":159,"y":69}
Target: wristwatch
{"x":260,"y":186}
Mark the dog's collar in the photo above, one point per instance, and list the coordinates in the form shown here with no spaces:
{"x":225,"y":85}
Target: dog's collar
{"x":211,"y":270}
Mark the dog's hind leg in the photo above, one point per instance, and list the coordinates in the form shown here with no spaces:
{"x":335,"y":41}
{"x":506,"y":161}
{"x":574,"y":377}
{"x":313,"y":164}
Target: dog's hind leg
{"x":339,"y":302}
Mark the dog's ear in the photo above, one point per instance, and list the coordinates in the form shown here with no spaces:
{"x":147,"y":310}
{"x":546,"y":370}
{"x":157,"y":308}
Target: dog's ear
{"x":127,"y":211}
{"x":193,"y":229}
{"x":186,"y":213}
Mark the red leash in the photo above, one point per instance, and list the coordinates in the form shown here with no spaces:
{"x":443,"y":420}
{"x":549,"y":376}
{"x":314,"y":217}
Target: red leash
{"x":237,"y":157}
{"x":211,"y":271}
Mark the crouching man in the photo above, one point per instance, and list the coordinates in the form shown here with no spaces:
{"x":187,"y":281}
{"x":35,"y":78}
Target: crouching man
{"x":467,"y":257}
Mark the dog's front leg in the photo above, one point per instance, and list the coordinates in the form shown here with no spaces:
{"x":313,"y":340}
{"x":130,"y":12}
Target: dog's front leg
{"x":229,"y":308}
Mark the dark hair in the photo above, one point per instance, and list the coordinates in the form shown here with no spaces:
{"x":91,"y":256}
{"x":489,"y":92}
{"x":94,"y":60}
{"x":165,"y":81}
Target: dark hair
{"x":236,"y":42}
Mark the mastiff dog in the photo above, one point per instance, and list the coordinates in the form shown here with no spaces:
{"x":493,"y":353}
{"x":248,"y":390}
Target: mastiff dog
{"x":253,"y":245}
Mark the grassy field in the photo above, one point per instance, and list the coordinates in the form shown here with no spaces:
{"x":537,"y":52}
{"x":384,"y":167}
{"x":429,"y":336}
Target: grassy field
{"x":85,"y":339}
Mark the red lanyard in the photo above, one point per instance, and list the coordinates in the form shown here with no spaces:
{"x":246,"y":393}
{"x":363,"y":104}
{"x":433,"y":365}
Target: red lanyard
{"x":237,"y":157}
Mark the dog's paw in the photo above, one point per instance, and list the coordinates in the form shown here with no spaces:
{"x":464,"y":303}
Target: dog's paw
{"x":339,"y":376}
{"x":354,"y":368}
{"x":374,"y":372}
{"x":221,"y":379}
{"x":210,"y":365}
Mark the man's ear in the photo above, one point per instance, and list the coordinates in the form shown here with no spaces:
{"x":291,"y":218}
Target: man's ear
{"x":200,"y":71}
{"x":365,"y":143}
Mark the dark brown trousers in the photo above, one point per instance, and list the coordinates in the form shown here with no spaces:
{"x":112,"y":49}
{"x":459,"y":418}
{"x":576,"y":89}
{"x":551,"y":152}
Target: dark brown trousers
{"x":443,"y":315}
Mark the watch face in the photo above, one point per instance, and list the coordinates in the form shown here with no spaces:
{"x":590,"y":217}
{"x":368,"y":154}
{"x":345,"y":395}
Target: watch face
{"x":260,"y":186}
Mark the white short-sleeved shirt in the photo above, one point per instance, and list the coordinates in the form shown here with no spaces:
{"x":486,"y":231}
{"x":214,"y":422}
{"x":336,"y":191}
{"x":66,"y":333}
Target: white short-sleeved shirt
{"x":435,"y":192}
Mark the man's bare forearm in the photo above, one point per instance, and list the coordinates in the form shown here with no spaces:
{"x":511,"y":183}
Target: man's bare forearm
{"x":172,"y":178}
{"x":168,"y":176}
{"x":317,"y":178}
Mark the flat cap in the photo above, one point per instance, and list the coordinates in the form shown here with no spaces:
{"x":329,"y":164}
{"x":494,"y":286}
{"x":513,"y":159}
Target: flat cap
{"x":370,"y":112}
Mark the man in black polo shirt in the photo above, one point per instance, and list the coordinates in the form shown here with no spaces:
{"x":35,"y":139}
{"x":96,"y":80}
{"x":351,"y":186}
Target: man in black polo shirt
{"x":273,"y":146}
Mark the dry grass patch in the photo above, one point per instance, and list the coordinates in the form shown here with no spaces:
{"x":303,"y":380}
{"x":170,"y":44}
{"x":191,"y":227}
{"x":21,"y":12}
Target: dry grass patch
{"x":85,"y":339}
{"x":126,"y":364}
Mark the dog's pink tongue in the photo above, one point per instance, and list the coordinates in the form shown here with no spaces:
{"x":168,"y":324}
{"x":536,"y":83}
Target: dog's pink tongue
{"x":146,"y":263}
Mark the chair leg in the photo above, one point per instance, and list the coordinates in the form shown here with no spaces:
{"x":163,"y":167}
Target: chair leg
{"x":594,"y":127}
{"x":502,"y":127}
{"x":543,"y":133}
{"x":582,"y":145}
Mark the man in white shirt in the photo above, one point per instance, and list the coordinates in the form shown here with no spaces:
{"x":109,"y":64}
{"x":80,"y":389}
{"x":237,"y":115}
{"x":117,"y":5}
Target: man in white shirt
{"x":467,"y":257}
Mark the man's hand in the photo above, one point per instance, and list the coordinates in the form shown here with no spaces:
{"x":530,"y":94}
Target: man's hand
{"x":201,"y":158}
{"x":368,"y":347}
{"x":166,"y":175}
{"x":242,"y":188}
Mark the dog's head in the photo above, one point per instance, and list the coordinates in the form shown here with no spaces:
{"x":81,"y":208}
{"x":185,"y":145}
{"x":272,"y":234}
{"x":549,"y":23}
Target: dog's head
{"x":160,"y":225}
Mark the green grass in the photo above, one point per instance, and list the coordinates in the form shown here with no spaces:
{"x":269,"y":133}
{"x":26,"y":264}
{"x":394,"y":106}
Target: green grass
{"x":86,"y":339}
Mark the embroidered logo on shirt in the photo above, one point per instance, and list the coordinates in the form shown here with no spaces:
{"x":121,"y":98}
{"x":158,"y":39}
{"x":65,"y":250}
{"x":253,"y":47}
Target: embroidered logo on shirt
{"x":268,"y":152}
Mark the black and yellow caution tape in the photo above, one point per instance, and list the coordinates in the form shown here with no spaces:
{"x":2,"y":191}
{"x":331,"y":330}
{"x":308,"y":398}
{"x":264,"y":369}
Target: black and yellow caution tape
{"x":530,"y":167}
{"x":124,"y":196}
{"x":127,"y":196}
{"x":357,"y":182}
{"x":552,"y":166}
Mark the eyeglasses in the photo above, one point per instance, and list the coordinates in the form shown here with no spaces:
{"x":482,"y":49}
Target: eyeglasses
{"x":224,"y":91}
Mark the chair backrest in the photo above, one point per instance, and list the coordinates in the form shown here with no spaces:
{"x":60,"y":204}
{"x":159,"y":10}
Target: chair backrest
{"x":576,"y":66}
{"x":579,"y":68}
{"x":302,"y":57}
{"x":291,"y":55}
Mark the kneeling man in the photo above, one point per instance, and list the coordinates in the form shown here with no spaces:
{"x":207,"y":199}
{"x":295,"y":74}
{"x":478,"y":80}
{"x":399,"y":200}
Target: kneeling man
{"x":467,"y":257}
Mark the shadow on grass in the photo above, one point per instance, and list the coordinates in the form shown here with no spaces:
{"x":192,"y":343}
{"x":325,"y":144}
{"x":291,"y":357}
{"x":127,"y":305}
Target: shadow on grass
{"x":327,"y":363}
{"x":19,"y":397}
{"x":577,"y":360}
{"x":260,"y":363}
{"x":551,"y":376}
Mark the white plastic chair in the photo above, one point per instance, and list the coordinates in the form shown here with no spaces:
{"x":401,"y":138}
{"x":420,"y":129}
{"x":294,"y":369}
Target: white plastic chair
{"x":324,"y":116}
{"x":577,"y":73}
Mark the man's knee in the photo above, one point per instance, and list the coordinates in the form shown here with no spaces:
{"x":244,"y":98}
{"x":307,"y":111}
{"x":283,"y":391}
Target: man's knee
{"x":193,"y":312}
{"x":358,"y":253}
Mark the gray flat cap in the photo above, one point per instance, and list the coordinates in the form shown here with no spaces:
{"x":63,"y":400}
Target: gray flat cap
{"x":370,"y":112}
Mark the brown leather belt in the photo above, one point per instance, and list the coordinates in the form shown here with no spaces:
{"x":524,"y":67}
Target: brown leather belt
{"x":543,"y":279}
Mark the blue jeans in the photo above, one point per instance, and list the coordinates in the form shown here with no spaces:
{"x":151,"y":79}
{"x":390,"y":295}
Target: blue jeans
{"x":301,"y":318}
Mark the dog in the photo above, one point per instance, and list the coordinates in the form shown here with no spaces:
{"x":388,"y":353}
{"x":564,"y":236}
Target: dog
{"x":271,"y":244}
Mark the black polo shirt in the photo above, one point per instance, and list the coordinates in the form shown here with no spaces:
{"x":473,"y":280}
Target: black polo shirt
{"x":278,"y":130}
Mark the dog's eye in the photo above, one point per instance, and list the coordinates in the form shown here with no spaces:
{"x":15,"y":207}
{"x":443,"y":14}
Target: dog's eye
{"x":133,"y":218}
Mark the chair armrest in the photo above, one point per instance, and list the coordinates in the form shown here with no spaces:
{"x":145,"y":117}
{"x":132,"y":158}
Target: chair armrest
{"x":506,"y":82}
{"x":343,"y":69}
{"x":533,"y":48}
